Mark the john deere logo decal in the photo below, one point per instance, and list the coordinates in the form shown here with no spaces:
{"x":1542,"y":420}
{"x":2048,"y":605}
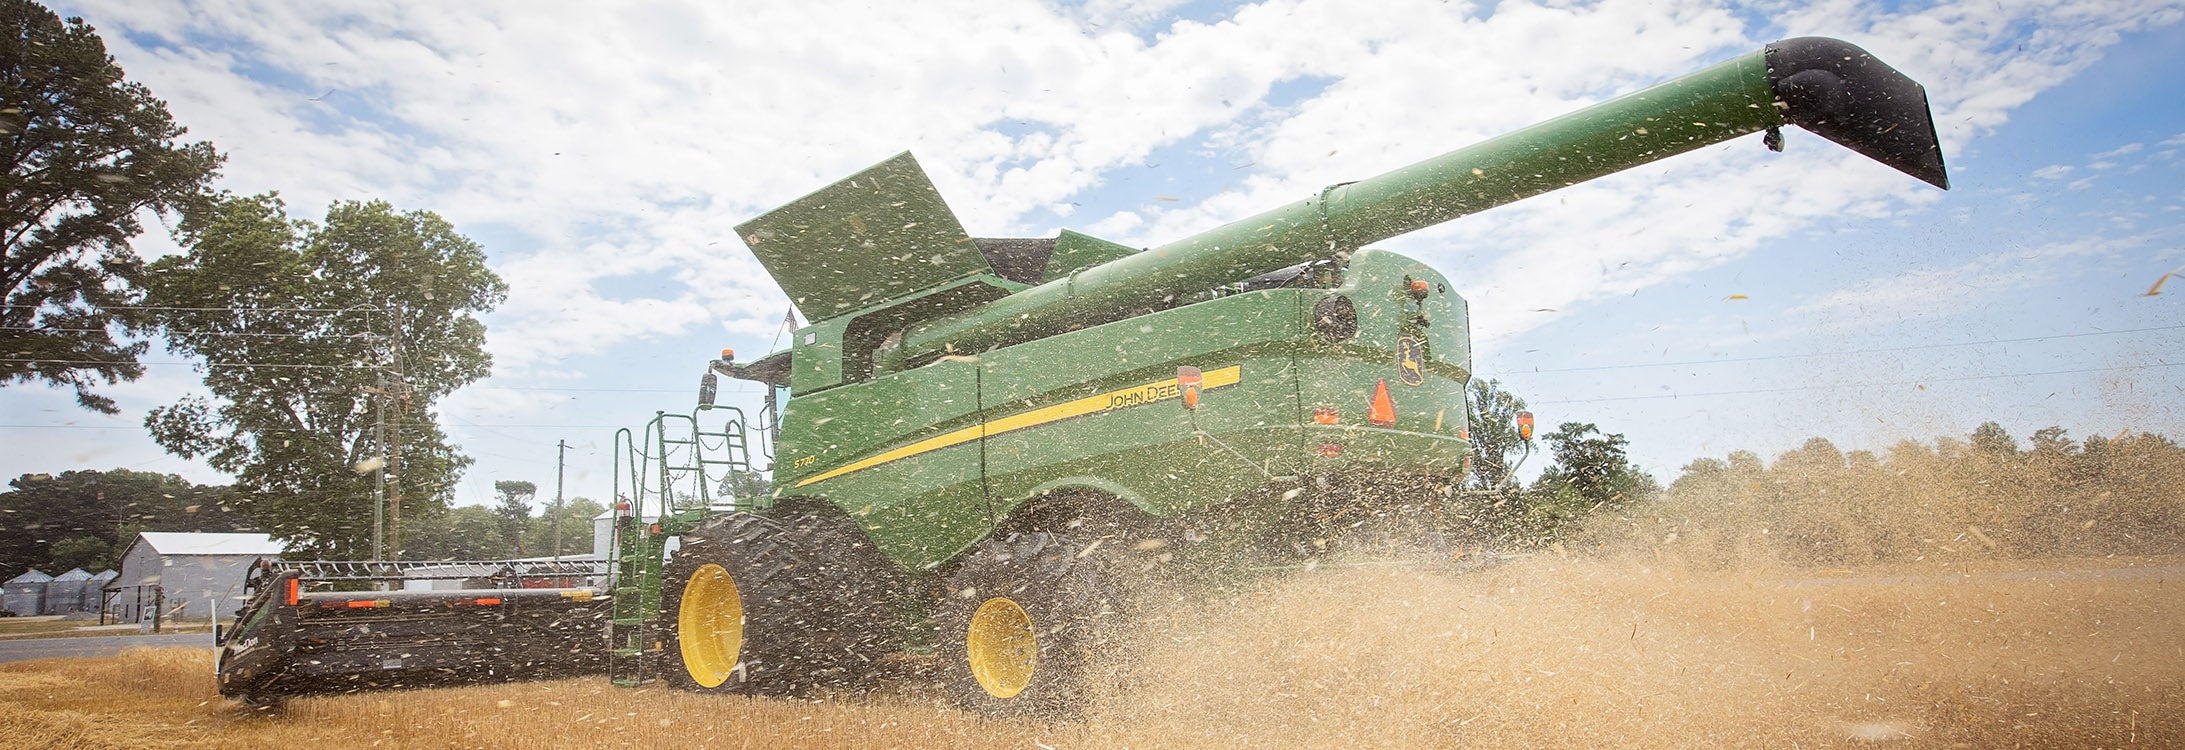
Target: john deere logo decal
{"x":1410,"y":361}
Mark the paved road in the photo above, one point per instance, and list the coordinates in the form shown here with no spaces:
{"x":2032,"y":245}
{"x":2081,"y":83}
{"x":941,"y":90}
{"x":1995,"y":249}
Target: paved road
{"x":18,"y":649}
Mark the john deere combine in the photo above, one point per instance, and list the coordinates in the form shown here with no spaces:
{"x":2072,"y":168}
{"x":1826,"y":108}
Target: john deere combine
{"x":982,"y":445}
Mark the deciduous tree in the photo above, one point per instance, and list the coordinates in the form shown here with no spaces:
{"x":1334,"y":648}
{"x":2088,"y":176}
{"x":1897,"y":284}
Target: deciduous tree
{"x":303,"y":326}
{"x":464,"y":532}
{"x":513,"y":505}
{"x":1592,"y":469}
{"x":1494,"y":432}
{"x":567,"y":530}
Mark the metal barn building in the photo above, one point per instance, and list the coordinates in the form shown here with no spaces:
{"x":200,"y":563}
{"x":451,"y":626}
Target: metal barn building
{"x":199,"y":575}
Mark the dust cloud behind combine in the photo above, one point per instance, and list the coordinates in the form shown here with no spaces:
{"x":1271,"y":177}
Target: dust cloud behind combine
{"x":1964,"y":593}
{"x":1554,"y":651}
{"x":1935,"y":597}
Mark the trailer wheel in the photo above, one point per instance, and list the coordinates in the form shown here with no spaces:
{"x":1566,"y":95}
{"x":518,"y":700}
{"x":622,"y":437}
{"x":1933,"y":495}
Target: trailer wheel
{"x":1028,"y":622}
{"x":774,"y":604}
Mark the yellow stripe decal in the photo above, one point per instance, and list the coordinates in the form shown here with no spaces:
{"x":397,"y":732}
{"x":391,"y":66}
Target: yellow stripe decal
{"x":1137,"y":395}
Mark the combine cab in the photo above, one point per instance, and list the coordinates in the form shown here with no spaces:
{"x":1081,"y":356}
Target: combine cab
{"x":321,"y":627}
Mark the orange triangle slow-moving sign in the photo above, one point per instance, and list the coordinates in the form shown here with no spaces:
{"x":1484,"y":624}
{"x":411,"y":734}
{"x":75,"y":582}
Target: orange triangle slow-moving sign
{"x":1383,"y":413}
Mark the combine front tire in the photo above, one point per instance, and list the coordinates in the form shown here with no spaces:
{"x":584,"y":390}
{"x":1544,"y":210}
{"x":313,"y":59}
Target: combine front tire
{"x":769,"y":605}
{"x":1026,"y":624}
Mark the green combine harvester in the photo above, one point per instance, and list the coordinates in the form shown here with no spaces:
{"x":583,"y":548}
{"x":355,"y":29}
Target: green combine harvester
{"x":986,"y":447}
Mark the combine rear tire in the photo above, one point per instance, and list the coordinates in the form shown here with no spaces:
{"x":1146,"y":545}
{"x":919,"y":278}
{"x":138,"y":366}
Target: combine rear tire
{"x":769,"y":605}
{"x":1027,"y":623}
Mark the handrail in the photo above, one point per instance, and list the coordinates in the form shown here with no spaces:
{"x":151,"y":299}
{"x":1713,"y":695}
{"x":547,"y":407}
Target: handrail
{"x":434,"y":570}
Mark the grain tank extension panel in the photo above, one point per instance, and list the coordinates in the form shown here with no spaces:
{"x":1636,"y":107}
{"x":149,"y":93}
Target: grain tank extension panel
{"x":880,"y":234}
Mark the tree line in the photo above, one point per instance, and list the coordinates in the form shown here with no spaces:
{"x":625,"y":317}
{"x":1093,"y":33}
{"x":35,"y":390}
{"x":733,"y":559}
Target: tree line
{"x":87,"y":519}
{"x":83,"y":519}
{"x":1589,"y":471}
{"x":1982,"y":495}
{"x":1972,"y":497}
{"x":323,"y":344}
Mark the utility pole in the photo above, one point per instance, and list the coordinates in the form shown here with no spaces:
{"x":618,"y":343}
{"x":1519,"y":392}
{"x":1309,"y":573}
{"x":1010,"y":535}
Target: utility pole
{"x":561,"y":452}
{"x":379,"y":475}
{"x":394,"y":457}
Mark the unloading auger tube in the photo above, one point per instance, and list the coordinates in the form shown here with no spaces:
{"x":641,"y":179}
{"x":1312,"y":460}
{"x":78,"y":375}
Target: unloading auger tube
{"x":1827,"y":86}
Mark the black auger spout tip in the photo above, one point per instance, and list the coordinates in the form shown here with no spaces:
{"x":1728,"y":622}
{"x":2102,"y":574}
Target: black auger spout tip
{"x":1842,"y":93}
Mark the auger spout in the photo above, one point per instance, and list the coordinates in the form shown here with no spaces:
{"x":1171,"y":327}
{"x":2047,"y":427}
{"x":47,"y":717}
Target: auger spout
{"x":1830,"y":87}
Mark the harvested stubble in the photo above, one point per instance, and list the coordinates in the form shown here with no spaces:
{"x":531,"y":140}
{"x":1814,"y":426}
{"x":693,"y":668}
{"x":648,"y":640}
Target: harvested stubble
{"x":1546,"y":652}
{"x":161,"y":698}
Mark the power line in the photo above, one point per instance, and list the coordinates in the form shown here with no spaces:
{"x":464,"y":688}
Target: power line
{"x":245,"y":433}
{"x":251,"y":308}
{"x":343,"y":367}
{"x":1857,"y":385}
{"x":442,"y":427}
{"x":1915,"y":347}
{"x":194,"y":333}
{"x":587,"y":390}
{"x":69,"y":427}
{"x":208,"y":364}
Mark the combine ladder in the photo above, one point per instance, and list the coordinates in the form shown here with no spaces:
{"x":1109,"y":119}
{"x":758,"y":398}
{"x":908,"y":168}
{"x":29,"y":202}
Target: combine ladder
{"x":666,"y":481}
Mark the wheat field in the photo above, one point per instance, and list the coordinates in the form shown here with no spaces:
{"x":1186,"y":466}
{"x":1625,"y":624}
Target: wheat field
{"x":1545,"y":652}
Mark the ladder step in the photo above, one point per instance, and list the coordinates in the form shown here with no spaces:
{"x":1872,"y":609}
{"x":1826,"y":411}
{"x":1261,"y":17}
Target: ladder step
{"x":623,"y":622}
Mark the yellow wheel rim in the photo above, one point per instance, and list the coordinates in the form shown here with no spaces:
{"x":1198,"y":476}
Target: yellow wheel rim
{"x":710,"y":625}
{"x":1001,"y":647}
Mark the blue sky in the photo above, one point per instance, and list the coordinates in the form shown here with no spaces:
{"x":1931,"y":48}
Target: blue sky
{"x":1726,"y":299}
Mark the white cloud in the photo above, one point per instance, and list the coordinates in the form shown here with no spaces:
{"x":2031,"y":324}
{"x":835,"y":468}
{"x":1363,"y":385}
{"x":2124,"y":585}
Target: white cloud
{"x":626,"y":144}
{"x":1953,"y":290}
{"x":2053,"y":172}
{"x":2124,"y":150}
